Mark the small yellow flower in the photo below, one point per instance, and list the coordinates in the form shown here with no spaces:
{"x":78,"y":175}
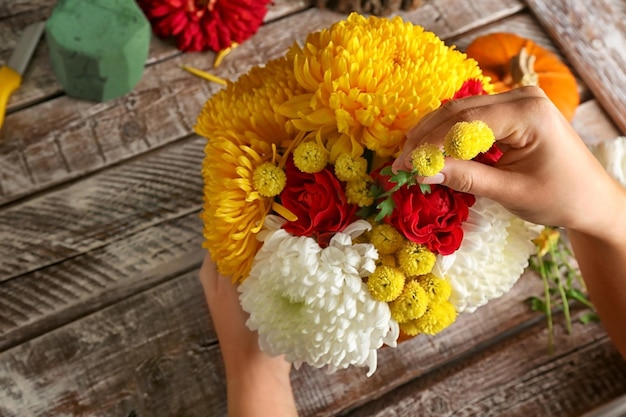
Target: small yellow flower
{"x":349,"y":168}
{"x":269,"y":180}
{"x":310,"y":157}
{"x":465,"y":140}
{"x":358,"y":191}
{"x":386,"y":239}
{"x":386,"y":283}
{"x":410,"y":305}
{"x":427,"y":160}
{"x":437,"y":317}
{"x":415,"y":259}
{"x":436,"y":288}
{"x":547,"y":240}
{"x":387,"y":260}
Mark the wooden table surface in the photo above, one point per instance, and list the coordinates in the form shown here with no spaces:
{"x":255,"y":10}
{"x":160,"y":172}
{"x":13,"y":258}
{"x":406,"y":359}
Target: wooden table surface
{"x":101,"y":312}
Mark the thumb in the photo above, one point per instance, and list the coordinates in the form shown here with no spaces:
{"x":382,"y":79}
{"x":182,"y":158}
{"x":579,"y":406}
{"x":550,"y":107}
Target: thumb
{"x":478,"y":179}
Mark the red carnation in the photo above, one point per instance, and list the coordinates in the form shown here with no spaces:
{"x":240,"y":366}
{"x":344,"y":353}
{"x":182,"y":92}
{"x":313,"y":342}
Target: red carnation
{"x":198,"y":25}
{"x":433,"y":219}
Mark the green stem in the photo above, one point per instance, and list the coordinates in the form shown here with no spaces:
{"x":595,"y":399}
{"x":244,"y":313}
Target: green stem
{"x":548,"y":307}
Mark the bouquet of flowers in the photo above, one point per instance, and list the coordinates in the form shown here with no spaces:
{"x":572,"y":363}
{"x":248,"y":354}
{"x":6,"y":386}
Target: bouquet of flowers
{"x":334,"y":254}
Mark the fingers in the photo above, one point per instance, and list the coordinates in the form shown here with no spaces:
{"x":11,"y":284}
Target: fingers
{"x":502,"y":112}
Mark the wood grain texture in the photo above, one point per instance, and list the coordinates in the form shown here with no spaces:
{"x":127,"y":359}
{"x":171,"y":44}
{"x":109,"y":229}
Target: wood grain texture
{"x":592,"y":35}
{"x":43,"y":300}
{"x":106,"y":207}
{"x":152,"y":355}
{"x":584,"y":372}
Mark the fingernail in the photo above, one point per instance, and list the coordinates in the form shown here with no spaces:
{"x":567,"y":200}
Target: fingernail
{"x":435,"y":179}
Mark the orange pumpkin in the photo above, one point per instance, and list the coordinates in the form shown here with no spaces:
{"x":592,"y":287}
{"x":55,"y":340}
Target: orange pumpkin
{"x":512,"y":61}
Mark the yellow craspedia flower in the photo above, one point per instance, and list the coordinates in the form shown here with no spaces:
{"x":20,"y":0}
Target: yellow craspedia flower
{"x":411,"y":304}
{"x":465,"y":140}
{"x":350,"y":168}
{"x":358,"y":191}
{"x":386,"y":283}
{"x":386,"y":239}
{"x":387,"y":260}
{"x":368,"y":80}
{"x":437,"y":317}
{"x":437,"y":289}
{"x":415,"y":259}
{"x":269,"y":180}
{"x":241,"y":124}
{"x":310,"y":157}
{"x":547,"y":239}
{"x":427,"y":160}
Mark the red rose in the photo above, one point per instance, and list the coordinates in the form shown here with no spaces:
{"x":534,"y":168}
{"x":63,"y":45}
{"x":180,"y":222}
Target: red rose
{"x":319,"y":202}
{"x":432,"y":219}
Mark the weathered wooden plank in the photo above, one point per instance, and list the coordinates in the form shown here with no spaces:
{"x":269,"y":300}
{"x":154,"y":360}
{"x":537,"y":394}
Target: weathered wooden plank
{"x":448,"y":18}
{"x":592,"y":34}
{"x":38,"y":302}
{"x":584,"y":372}
{"x":150,"y":355}
{"x":72,"y":137}
{"x":108,"y":206}
{"x":593,"y":124}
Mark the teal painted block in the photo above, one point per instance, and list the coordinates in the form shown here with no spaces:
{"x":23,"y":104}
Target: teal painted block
{"x":98,"y":48}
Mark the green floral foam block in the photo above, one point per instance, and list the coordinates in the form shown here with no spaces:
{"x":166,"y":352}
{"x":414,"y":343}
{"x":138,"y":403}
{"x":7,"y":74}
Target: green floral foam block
{"x":98,"y":48}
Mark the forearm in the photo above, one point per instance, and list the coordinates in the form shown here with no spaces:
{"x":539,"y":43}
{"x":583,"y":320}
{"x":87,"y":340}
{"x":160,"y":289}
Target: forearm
{"x":602,"y":260}
{"x":260,"y":388}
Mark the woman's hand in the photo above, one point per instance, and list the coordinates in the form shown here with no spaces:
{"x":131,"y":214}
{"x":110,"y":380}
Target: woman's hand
{"x":546,"y":175}
{"x":257,"y":384}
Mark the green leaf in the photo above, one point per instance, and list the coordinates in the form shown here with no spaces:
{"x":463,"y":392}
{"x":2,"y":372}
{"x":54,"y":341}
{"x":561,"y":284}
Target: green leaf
{"x":589,"y":317}
{"x":425,"y":188}
{"x":537,"y":304}
{"x":386,"y":208}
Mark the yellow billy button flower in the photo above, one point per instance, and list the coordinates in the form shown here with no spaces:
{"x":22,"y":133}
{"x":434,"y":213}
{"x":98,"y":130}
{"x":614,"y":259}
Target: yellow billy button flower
{"x":386,"y":283}
{"x":358,"y":191}
{"x":465,"y":140}
{"x":310,"y":157}
{"x":415,"y":259}
{"x":386,"y":239}
{"x":436,"y":288}
{"x":437,"y":317}
{"x":410,"y":305}
{"x":349,"y":168}
{"x":269,"y":180}
{"x":427,"y":160}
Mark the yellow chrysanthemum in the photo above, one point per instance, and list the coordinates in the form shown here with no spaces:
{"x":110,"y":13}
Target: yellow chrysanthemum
{"x":358,"y":191}
{"x":368,"y":80}
{"x":242,"y":125}
{"x":386,"y":239}
{"x":427,"y":160}
{"x":310,"y":157}
{"x":436,"y":288}
{"x":465,"y":140}
{"x":437,"y":317}
{"x":411,"y":304}
{"x":269,"y":180}
{"x":415,"y":259}
{"x":350,"y":168}
{"x":386,"y":283}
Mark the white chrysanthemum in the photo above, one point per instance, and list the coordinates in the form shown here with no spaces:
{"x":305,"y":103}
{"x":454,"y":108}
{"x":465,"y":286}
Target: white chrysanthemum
{"x":311,"y":304}
{"x":612,"y":156}
{"x":493,"y":255}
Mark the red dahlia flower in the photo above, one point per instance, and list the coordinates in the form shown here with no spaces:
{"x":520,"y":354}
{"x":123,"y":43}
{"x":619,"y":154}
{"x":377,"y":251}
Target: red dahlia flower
{"x":198,"y":25}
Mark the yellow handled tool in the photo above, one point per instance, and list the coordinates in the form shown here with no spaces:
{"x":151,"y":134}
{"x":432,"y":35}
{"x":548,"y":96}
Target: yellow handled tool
{"x":11,"y":73}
